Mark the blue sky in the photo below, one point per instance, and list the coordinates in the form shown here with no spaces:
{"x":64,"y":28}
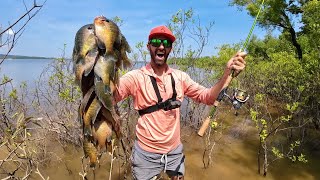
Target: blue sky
{"x":58,"y":21}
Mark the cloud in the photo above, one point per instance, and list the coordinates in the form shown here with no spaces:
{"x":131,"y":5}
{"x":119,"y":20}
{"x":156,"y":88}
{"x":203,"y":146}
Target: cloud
{"x":10,"y":32}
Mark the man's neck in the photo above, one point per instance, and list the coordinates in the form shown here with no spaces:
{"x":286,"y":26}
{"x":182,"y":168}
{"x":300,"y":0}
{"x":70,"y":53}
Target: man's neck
{"x":159,"y":70}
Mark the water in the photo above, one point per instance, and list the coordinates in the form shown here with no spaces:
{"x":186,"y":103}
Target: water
{"x":233,"y":158}
{"x":23,"y":70}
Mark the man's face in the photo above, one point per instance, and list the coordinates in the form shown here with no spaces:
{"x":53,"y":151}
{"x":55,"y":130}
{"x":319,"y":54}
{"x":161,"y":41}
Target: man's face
{"x":159,"y":48}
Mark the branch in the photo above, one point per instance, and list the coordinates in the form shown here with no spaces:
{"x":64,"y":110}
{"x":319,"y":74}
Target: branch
{"x":20,"y":31}
{"x":20,"y":19}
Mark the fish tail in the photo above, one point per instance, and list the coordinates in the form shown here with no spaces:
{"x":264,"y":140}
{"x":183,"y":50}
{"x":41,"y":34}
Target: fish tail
{"x":87,"y":131}
{"x":91,"y":152}
{"x":107,"y":89}
{"x":126,"y":63}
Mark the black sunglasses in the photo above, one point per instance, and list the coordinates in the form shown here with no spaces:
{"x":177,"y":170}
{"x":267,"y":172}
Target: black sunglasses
{"x":157,"y":42}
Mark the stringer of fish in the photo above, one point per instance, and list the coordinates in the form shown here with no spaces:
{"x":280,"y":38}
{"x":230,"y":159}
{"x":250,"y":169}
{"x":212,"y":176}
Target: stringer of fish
{"x":99,"y":51}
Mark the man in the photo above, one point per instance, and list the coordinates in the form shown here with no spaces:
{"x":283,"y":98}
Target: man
{"x":157,"y":91}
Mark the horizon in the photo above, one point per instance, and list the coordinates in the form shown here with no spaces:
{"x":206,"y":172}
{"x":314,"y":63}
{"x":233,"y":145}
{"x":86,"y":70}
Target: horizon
{"x":58,"y":21}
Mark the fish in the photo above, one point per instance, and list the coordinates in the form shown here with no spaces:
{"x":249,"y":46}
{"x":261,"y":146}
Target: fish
{"x":105,"y":93}
{"x":100,"y":50}
{"x":102,"y":133}
{"x":88,"y":97}
{"x":110,"y":38}
{"x":107,"y":32}
{"x":84,"y":53}
{"x":90,"y":116}
{"x":90,"y":151}
{"x":124,"y":49}
{"x":105,"y":71}
{"x":114,"y":118}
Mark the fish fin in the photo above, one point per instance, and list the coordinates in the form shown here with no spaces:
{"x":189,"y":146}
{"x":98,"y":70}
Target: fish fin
{"x":90,"y":116}
{"x":78,"y":71}
{"x":100,"y":44}
{"x":107,"y":89}
{"x":97,"y":110}
{"x":87,"y":82}
{"x":87,"y":132}
{"x":90,"y":60}
{"x":125,"y":48}
{"x":125,"y":43}
{"x":91,"y":152}
{"x":86,"y":98}
{"x":105,"y":100}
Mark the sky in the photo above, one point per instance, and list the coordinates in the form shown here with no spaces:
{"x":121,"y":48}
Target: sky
{"x":58,"y":21}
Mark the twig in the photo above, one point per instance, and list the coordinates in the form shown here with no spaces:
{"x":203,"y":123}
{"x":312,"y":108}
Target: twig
{"x":83,"y":174}
{"x":112,"y":158}
{"x":39,"y":173}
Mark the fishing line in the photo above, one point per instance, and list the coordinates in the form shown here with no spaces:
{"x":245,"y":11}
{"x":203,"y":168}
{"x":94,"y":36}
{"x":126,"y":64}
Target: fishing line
{"x":237,"y":102}
{"x":245,"y":44}
{"x":252,"y":27}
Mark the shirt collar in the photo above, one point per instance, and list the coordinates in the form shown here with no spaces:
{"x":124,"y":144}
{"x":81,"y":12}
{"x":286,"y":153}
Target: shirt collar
{"x":149,"y":71}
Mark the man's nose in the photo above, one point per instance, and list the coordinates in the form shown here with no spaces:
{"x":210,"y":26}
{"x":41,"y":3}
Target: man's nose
{"x":161,"y":46}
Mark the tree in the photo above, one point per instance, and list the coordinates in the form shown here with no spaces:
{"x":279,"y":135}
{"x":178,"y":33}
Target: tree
{"x":279,"y":14}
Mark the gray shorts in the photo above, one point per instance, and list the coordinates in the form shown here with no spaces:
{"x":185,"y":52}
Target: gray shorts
{"x":147,"y":165}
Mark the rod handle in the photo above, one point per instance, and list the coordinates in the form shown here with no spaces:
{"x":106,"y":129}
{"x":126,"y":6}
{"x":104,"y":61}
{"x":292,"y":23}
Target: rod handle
{"x":204,"y":126}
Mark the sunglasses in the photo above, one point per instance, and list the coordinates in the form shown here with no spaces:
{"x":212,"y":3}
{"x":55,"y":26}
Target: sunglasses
{"x":157,"y":42}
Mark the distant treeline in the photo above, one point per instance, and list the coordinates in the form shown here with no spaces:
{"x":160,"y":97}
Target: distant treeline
{"x":23,"y":57}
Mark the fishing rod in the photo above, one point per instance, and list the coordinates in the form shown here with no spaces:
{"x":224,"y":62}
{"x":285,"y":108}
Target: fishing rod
{"x":239,"y":96}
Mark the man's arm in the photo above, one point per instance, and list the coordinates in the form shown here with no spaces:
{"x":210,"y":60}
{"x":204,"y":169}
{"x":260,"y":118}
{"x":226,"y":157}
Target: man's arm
{"x":126,"y":86}
{"x":208,"y":95}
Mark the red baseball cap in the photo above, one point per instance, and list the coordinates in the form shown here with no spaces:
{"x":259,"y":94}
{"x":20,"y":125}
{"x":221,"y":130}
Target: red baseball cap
{"x":162,"y":30}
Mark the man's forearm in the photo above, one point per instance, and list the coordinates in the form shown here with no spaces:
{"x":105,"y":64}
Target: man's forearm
{"x":221,"y":84}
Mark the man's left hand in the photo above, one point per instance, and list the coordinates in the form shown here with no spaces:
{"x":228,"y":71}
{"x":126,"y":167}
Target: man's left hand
{"x":237,"y":63}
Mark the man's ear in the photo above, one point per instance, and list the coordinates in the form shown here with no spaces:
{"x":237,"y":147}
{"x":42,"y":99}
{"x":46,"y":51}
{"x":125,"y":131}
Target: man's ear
{"x":148,"y":46}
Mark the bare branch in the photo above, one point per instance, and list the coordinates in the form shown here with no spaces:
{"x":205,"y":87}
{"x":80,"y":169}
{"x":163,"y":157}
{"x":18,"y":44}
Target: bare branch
{"x":17,"y":34}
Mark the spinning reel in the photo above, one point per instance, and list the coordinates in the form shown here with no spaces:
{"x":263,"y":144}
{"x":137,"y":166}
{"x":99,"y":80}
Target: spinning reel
{"x":238,"y":98}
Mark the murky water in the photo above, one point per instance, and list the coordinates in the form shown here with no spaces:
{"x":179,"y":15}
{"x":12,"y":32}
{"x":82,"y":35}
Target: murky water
{"x":233,"y":157}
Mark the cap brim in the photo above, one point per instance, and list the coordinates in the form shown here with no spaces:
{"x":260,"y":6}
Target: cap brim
{"x":171,"y":38}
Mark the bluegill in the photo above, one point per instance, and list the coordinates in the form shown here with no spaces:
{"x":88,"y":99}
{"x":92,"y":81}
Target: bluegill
{"x":102,"y":133}
{"x":90,"y":151}
{"x":112,"y":40}
{"x":90,"y":116}
{"x":105,"y":71}
{"x":105,"y":84}
{"x":85,"y":52}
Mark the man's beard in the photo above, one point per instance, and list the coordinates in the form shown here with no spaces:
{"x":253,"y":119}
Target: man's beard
{"x":158,"y":62}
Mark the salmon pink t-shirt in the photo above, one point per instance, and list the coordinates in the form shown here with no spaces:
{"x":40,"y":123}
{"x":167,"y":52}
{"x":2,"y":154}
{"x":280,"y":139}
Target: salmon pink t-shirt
{"x":159,"y":131}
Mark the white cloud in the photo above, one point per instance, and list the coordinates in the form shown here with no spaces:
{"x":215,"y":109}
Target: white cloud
{"x":10,"y":32}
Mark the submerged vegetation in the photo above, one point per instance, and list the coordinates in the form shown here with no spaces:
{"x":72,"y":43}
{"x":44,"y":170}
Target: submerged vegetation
{"x":282,"y":77}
